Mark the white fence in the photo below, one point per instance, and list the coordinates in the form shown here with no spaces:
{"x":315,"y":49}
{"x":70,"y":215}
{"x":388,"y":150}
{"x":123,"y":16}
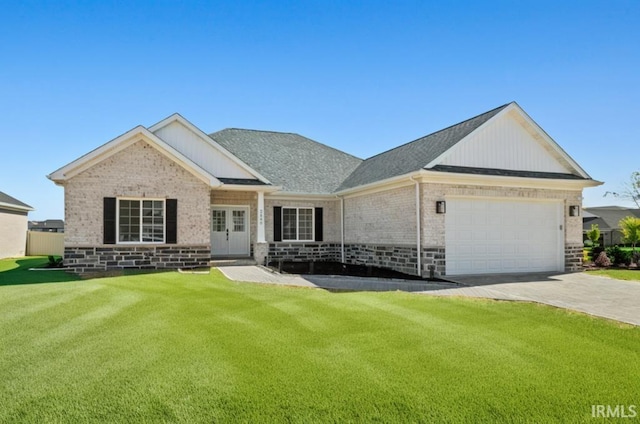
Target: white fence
{"x":41,"y":243}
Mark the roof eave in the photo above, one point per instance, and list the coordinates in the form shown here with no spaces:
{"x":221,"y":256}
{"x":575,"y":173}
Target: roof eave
{"x":15,"y":207}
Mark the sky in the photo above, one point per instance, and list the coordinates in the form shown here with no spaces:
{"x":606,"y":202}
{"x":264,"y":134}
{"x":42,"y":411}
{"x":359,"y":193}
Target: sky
{"x":360,"y":76}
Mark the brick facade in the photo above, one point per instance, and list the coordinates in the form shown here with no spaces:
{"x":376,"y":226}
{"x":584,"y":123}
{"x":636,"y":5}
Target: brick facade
{"x":139,"y":171}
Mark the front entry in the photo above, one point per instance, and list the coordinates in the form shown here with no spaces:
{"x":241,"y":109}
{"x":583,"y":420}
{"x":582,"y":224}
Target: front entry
{"x":230,"y":231}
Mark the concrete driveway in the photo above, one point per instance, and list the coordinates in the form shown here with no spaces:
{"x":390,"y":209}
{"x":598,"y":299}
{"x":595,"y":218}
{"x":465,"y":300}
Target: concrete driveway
{"x":599,"y":296}
{"x":594,"y":295}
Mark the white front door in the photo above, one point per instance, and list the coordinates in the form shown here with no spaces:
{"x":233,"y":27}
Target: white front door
{"x":230,"y":231}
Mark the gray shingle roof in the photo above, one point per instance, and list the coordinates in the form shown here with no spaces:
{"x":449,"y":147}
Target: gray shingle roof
{"x":415,"y":155}
{"x":5,"y":198}
{"x":607,"y":217}
{"x":296,"y":163}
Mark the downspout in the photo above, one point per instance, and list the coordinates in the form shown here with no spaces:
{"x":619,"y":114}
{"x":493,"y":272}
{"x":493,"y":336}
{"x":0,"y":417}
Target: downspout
{"x":418,"y":244}
{"x":342,"y":228}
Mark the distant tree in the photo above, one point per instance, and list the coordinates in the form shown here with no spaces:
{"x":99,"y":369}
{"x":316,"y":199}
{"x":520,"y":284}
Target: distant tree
{"x":594,"y":235}
{"x":630,"y":226}
{"x":630,"y":190}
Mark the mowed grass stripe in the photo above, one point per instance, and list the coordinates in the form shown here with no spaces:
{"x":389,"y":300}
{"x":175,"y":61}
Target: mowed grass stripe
{"x":169,"y":347}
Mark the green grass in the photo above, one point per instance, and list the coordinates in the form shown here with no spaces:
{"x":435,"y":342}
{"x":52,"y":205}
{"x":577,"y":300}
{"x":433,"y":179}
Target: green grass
{"x":619,"y":274}
{"x":169,"y":347}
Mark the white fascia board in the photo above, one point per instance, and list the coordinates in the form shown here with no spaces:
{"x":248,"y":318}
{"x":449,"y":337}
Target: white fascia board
{"x":245,"y":187}
{"x":382,"y":185}
{"x":122,"y":142}
{"x":504,"y":181}
{"x":179,"y":118}
{"x":456,"y":146}
{"x":19,"y":208}
{"x":301,"y":196}
{"x":62,"y":174}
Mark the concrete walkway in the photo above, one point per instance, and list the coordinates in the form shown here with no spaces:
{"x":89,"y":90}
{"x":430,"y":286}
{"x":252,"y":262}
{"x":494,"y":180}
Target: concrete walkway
{"x":594,"y":295}
{"x":600,"y":296}
{"x":258,"y":274}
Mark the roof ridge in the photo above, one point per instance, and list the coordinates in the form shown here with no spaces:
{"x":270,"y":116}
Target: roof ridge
{"x":291,"y":133}
{"x":441,"y":130}
{"x":254,"y":130}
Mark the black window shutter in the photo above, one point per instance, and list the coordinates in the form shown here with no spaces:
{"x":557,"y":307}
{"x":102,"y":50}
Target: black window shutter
{"x":318,"y":225}
{"x":109,"y":220}
{"x":172,"y":221}
{"x":277,"y":223}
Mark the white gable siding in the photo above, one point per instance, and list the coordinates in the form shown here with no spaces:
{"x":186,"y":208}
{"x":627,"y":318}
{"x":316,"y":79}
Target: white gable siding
{"x":505,"y":144}
{"x":200,"y":151}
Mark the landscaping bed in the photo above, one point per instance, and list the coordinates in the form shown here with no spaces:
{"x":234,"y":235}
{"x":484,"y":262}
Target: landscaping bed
{"x":338,"y":268}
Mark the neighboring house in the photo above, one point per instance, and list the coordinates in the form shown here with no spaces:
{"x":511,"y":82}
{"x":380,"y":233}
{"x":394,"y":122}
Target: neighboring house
{"x":13,"y":226}
{"x":608,"y":220}
{"x":491,"y":194}
{"x":47,"y":226}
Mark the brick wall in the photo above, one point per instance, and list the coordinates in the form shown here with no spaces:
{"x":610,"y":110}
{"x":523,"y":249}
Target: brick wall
{"x":137,"y":171}
{"x":381,"y":218}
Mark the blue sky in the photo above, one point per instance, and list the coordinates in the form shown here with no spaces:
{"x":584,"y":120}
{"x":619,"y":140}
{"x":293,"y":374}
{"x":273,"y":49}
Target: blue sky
{"x":361,"y":76}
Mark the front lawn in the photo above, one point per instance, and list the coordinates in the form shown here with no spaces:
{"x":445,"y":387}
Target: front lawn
{"x":170,"y":347}
{"x":618,"y":274}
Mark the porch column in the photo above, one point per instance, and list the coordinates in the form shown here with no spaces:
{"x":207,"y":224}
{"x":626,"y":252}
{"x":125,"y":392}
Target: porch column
{"x":260,"y":235}
{"x":261,"y":248}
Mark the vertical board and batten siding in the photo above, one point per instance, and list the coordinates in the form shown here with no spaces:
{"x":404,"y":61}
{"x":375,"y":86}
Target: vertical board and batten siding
{"x":43,"y":243}
{"x":200,"y":151}
{"x":504,"y":144}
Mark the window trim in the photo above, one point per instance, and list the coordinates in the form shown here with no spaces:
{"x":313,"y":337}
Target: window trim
{"x":313,"y":224}
{"x":141,"y":199}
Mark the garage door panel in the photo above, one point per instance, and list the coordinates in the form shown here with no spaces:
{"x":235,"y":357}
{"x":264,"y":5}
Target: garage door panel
{"x":502,"y":236}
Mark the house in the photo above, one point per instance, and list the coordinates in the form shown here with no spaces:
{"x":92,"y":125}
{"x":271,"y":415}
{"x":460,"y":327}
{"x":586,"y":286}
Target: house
{"x":13,"y":226}
{"x":47,"y":226}
{"x":607,"y":218}
{"x":490,"y":194}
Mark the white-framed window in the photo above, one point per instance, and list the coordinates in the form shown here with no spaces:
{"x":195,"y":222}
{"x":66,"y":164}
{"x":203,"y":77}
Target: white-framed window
{"x":141,"y":220}
{"x":297,"y":224}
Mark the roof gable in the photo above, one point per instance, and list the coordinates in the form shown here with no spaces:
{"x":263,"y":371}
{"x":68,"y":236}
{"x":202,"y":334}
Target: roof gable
{"x":201,"y":149}
{"x":510,"y":141}
{"x":415,"y":155}
{"x":291,"y":161}
{"x":122,"y":142}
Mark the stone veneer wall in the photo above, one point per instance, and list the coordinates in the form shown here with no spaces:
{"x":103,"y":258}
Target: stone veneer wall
{"x":104,"y":258}
{"x":398,"y":258}
{"x":573,"y":257}
{"x":304,"y":251}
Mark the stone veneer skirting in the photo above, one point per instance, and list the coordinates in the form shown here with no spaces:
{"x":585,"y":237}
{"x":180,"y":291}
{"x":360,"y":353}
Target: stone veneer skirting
{"x":398,"y":258}
{"x":304,"y":251}
{"x":103,"y":258}
{"x":573,"y":257}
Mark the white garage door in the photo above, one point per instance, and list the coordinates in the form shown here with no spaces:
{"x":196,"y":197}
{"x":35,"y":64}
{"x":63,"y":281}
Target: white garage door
{"x":501,"y":236}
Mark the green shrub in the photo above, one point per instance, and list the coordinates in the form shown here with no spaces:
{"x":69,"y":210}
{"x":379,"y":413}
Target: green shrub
{"x":618,"y":256}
